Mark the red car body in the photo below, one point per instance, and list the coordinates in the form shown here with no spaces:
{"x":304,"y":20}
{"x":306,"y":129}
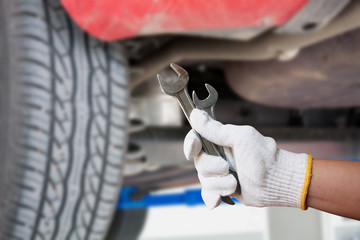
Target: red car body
{"x":111,"y":20}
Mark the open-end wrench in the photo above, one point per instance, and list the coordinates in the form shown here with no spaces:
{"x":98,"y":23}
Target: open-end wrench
{"x":208,"y":105}
{"x":178,"y":89}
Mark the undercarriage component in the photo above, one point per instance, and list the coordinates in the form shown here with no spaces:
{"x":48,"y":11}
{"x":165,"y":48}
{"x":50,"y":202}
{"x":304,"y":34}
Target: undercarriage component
{"x":283,"y":135}
{"x":313,"y":16}
{"x":321,"y":142}
{"x":322,"y":75}
{"x":266,"y":47}
{"x":135,"y":161}
{"x":243,"y":34}
{"x":163,"y":178}
{"x":153,"y":107}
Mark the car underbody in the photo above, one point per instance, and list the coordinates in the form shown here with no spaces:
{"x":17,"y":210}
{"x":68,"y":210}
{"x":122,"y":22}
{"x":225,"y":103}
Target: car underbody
{"x":285,"y":80}
{"x":82,"y":113}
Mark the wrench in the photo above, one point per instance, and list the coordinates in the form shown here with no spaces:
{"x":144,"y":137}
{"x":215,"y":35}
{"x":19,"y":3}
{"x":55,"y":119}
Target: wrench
{"x":208,"y":105}
{"x":178,"y":89}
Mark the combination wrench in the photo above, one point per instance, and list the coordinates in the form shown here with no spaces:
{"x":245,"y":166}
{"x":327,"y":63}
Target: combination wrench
{"x":208,"y":105}
{"x":178,"y":89}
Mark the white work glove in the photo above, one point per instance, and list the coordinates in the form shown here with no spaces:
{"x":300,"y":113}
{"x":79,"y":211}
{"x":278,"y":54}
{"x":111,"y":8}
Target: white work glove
{"x":268,"y":176}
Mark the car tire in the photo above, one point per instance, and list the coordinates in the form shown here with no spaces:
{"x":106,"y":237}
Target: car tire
{"x":127,"y":224}
{"x":63,"y":123}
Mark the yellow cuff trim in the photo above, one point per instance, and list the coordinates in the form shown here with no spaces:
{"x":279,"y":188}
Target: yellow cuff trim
{"x":307,"y":179}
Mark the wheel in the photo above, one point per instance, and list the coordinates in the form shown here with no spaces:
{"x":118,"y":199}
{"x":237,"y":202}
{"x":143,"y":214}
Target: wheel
{"x":63,"y":121}
{"x":127,"y":224}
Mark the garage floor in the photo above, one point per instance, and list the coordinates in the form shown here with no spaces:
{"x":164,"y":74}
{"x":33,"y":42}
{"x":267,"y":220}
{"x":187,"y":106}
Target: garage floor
{"x":225,"y":222}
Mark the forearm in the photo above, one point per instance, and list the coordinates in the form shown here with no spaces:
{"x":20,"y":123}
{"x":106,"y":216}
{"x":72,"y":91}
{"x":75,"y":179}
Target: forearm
{"x":335,"y":187}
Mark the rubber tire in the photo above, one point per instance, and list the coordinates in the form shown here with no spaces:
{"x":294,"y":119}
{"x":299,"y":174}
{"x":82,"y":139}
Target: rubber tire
{"x":127,"y":224}
{"x":63,"y":122}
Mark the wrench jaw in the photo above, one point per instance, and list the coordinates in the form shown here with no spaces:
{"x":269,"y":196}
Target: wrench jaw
{"x":178,"y":89}
{"x":208,"y":102}
{"x":172,"y":88}
{"x":164,"y":85}
{"x":181,"y":72}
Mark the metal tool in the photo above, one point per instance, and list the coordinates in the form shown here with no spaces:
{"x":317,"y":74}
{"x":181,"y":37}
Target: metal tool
{"x":178,"y":89}
{"x":208,"y":105}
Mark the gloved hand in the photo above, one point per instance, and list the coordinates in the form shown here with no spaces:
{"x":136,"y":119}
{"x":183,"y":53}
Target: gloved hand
{"x":268,"y":176}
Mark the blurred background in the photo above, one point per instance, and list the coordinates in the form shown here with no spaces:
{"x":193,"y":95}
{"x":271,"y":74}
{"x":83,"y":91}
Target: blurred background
{"x":92,"y":149}
{"x":243,"y":222}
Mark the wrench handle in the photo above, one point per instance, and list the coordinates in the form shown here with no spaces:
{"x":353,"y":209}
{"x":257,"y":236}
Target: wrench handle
{"x":211,"y":149}
{"x":220,"y":149}
{"x":187,"y":106}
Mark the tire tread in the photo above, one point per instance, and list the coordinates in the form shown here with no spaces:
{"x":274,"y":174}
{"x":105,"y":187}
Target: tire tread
{"x":48,"y":71}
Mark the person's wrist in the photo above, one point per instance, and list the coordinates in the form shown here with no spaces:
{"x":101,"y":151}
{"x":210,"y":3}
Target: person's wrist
{"x":287,"y":182}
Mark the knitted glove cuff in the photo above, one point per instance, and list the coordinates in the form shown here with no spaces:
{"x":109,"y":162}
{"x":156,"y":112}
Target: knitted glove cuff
{"x":287,"y":183}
